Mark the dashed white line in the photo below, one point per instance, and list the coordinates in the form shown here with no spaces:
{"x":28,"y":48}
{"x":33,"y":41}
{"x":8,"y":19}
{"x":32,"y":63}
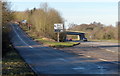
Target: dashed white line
{"x":108,"y":50}
{"x":77,"y":68}
{"x":85,"y":55}
{"x":101,"y":69}
{"x":88,"y":56}
{"x":108,"y":60}
{"x":20,"y":38}
{"x":61,"y":59}
{"x":102,"y":59}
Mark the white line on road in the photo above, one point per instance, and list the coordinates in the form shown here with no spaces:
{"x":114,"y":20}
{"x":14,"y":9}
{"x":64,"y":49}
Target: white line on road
{"x":61,"y":59}
{"x":108,"y":50}
{"x":21,"y":38}
{"x":88,"y":56}
{"x":108,"y":60}
{"x":103,"y":59}
{"x":78,"y":68}
{"x":85,"y":55}
{"x":101,"y":69}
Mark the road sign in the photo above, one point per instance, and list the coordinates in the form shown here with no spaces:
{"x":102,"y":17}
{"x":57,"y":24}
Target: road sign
{"x":24,"y":21}
{"x":58,"y":27}
{"x":58,"y":30}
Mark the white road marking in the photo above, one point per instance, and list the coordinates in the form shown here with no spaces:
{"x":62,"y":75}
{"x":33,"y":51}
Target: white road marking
{"x":108,"y":60}
{"x":61,"y":59}
{"x":78,"y":68}
{"x":103,"y":59}
{"x":101,"y":69}
{"x":88,"y":56}
{"x":20,"y":38}
{"x":85,"y":55}
{"x":108,"y":50}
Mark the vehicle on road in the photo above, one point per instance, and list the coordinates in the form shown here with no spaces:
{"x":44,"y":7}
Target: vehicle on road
{"x":85,"y":39}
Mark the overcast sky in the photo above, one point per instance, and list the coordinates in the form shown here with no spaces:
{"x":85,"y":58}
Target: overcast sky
{"x":77,"y":11}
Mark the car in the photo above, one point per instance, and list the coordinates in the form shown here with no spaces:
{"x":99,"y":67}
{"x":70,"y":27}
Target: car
{"x":70,"y":39}
{"x":85,"y":39}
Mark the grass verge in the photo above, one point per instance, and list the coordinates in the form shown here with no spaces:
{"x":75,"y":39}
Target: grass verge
{"x":14,"y":65}
{"x":49,"y":42}
{"x":56,"y":44}
{"x":12,"y":62}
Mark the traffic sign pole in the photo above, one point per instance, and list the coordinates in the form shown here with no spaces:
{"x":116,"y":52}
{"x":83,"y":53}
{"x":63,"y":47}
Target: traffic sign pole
{"x":58,"y":39}
{"x":58,"y":28}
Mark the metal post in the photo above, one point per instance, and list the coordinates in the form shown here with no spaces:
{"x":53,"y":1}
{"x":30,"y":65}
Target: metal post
{"x":58,"y":37}
{"x":78,"y":37}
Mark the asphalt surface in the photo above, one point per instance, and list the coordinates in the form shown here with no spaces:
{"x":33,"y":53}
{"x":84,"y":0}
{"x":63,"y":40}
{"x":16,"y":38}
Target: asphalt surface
{"x":47,"y":60}
{"x":105,"y":50}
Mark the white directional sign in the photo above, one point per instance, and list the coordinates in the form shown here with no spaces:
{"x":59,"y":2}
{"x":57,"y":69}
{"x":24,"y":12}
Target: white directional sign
{"x":58,"y":27}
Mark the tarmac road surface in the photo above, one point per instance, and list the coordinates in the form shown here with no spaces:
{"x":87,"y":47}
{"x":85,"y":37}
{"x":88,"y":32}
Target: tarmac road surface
{"x":47,"y":60}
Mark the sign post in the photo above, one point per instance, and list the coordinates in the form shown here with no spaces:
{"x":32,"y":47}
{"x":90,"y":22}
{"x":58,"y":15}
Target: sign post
{"x":58,"y":28}
{"x":58,"y":40}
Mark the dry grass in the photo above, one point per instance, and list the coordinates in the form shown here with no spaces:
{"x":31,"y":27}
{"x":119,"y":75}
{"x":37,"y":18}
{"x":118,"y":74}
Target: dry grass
{"x":14,"y":65}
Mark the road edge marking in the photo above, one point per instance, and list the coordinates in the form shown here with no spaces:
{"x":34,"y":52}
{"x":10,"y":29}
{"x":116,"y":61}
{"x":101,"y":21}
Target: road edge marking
{"x":20,"y":37}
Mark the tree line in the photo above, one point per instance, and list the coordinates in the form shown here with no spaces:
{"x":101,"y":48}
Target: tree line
{"x":42,"y":20}
{"x":97,"y":30}
{"x":7,"y":16}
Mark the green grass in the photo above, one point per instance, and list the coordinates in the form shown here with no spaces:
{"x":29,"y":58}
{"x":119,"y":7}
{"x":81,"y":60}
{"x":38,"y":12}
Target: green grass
{"x":12,"y":63}
{"x":49,"y":42}
{"x":56,"y":44}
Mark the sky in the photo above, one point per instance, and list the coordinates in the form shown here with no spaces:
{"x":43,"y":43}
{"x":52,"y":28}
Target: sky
{"x":76,"y":11}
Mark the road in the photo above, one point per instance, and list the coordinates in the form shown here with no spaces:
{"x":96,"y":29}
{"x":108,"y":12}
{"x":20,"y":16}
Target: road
{"x":104,"y":51}
{"x":47,"y":60}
